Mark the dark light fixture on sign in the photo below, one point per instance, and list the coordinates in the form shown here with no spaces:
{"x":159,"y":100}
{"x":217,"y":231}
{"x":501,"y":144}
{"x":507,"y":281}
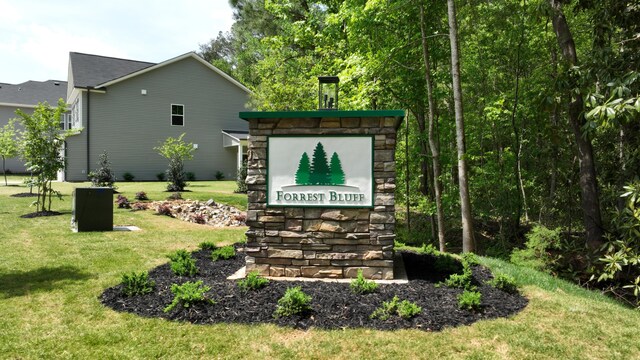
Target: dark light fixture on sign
{"x":328,"y":92}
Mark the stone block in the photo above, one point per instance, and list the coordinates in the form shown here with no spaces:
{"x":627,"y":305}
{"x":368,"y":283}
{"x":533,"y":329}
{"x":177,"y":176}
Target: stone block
{"x":257,"y":154}
{"x":276,"y":271}
{"x":367,"y":272}
{"x":256,"y":179}
{"x":294,"y":213}
{"x":292,"y":272}
{"x":262,"y":269}
{"x":384,"y":199}
{"x":312,"y":213}
{"x":293,"y":225}
{"x":284,"y":253}
{"x":378,"y":263}
{"x":383,"y":155}
{"x":273,"y":261}
{"x":362,"y":226}
{"x":381,"y":218}
{"x":293,"y":234}
{"x":350,"y":122}
{"x":355,"y":236}
{"x":300,"y":262}
{"x":268,"y":219}
{"x":329,"y":123}
{"x":346,"y":262}
{"x":319,"y":262}
{"x":274,"y":226}
{"x":390,"y":166}
{"x":370,"y":122}
{"x":256,"y":196}
{"x":298,"y":123}
{"x":339,"y":255}
{"x":312,"y":225}
{"x":271,"y":232}
{"x":308,"y":254}
{"x":341,"y":215}
{"x":321,"y":271}
{"x":373,"y":255}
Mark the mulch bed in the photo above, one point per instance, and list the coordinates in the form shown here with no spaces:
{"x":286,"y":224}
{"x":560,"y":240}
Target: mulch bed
{"x":26,"y":194}
{"x":334,"y":305}
{"x":39,"y":214}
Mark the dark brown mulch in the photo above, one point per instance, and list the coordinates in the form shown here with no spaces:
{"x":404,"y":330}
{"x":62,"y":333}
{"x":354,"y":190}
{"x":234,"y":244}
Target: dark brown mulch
{"x":40,"y":214}
{"x":21,"y":195}
{"x":334,"y":305}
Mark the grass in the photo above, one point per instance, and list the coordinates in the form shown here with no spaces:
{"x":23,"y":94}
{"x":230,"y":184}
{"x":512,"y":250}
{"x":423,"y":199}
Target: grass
{"x":50,"y":280}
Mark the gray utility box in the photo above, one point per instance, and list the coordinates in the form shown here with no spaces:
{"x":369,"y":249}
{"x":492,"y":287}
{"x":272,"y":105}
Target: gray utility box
{"x":92,"y":209}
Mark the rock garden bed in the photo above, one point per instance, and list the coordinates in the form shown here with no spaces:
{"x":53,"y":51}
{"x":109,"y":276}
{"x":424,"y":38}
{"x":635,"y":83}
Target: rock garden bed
{"x":200,"y":212}
{"x":333,"y":304}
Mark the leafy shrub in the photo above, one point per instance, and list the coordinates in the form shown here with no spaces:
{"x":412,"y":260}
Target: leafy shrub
{"x":446,"y":263}
{"x":537,"y":253}
{"x":128,"y":176}
{"x":141,"y":195}
{"x":469,"y":300}
{"x":505,"y":283}
{"x":139,"y":206}
{"x":360,"y":285}
{"x":470,"y":259}
{"x":164,"y":209}
{"x":188,"y":294}
{"x":405,"y":309}
{"x":190,"y":176}
{"x":207,"y":245}
{"x":175,"y":196}
{"x":219,"y":175}
{"x":123,"y":202}
{"x":176,"y":151}
{"x":241,"y":186}
{"x":182,"y":264}
{"x":294,"y":301}
{"x":459,"y":280}
{"x":160,"y":176}
{"x":429,"y":249}
{"x":103,"y":176}
{"x":225,"y":253}
{"x":253,"y":281}
{"x":137,"y":283}
{"x":199,"y":219}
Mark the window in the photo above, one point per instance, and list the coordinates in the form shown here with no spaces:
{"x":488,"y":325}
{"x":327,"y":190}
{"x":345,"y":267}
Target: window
{"x":65,"y":121}
{"x":177,"y":115}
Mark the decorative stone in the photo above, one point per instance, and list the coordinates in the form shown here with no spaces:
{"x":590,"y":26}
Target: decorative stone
{"x":281,"y":253}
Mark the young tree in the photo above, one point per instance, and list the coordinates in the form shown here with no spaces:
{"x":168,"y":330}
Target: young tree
{"x":337,"y":174}
{"x":176,"y":151}
{"x":320,"y":174}
{"x":103,"y":176}
{"x":42,"y":143}
{"x":304,"y":170}
{"x":8,"y":146}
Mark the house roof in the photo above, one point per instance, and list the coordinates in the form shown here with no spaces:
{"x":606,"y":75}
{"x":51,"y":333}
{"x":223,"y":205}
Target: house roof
{"x":92,"y":70}
{"x":237,"y":134}
{"x":30,"y":93}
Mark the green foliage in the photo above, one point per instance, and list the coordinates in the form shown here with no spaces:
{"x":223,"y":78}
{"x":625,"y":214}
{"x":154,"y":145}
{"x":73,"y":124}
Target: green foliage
{"x":537,"y":253}
{"x":470,"y":259}
{"x":219,"y":175}
{"x":360,"y":285}
{"x":207,"y":245}
{"x":225,"y":253}
{"x":446,"y":263}
{"x":182,"y":264}
{"x":103,"y":176}
{"x":9,"y":145}
{"x":137,"y":283}
{"x":241,"y":186}
{"x":505,"y":283}
{"x":470,"y":300}
{"x":253,"y":281}
{"x":141,"y":195}
{"x":294,"y":301}
{"x":404,"y":309}
{"x":122,"y":202}
{"x":189,"y":294}
{"x":176,"y":150}
{"x":128,"y":177}
{"x":41,"y":147}
{"x":160,"y":176}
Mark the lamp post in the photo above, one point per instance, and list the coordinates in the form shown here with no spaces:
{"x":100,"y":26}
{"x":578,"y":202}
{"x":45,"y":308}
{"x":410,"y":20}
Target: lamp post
{"x":328,"y":92}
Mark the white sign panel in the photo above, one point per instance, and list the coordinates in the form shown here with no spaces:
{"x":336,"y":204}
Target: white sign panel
{"x":320,"y":171}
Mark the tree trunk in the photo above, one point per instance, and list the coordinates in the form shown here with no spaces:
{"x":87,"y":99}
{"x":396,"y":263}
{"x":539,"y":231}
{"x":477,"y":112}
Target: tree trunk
{"x":468,"y":241}
{"x":4,"y":171}
{"x":588,"y":181}
{"x":433,"y":145}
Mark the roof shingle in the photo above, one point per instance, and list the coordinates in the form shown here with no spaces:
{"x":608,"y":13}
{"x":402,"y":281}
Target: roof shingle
{"x":33,"y":92}
{"x":92,"y":70}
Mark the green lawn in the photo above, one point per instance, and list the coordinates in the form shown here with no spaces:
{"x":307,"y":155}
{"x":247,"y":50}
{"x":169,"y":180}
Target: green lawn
{"x":50,"y":280}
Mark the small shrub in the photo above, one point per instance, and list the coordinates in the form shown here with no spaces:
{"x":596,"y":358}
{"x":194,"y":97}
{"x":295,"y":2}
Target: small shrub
{"x":139,"y":206}
{"x":137,"y":283}
{"x":360,"y":285}
{"x":241,"y":186}
{"x":207,"y":245}
{"x":459,"y":280}
{"x":405,"y":309}
{"x":141,"y":195}
{"x":294,"y":301}
{"x":429,"y":250}
{"x":225,"y":253}
{"x":175,"y":196}
{"x":199,"y":219}
{"x":164,"y":209}
{"x":219,"y":175}
{"x":160,"y":176}
{"x":504,"y":282}
{"x":537,"y":253}
{"x":408,"y":309}
{"x":469,"y":300}
{"x":253,"y":281}
{"x":190,"y":176}
{"x":128,"y":176}
{"x":188,"y":294}
{"x":182,"y":264}
{"x":470,"y":259}
{"x":103,"y":176}
{"x":123,"y":202}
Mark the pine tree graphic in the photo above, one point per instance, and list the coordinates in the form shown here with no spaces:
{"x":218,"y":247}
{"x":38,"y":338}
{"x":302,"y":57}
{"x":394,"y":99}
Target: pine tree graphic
{"x":304,"y":170}
{"x":320,"y":173}
{"x":337,"y":175}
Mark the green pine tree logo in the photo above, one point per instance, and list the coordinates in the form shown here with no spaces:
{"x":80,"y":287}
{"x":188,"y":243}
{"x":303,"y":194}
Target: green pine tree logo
{"x":319,"y":171}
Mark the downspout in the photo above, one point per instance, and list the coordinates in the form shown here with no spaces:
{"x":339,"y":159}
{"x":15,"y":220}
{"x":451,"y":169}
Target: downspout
{"x":88,"y":128}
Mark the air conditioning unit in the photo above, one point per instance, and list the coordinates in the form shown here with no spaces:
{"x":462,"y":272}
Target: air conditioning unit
{"x":92,"y":209}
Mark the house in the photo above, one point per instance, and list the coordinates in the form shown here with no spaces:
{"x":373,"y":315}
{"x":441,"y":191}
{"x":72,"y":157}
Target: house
{"x":26,"y":97}
{"x":127,"y":108}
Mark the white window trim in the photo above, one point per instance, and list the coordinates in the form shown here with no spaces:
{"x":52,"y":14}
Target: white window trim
{"x":171,"y":116}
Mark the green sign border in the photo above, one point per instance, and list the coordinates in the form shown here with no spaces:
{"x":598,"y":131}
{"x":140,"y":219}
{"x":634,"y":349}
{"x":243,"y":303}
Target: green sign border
{"x":373,"y":181}
{"x":246,"y":115}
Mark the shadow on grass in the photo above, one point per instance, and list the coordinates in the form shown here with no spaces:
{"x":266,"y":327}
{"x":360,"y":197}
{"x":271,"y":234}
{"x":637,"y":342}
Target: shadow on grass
{"x":47,"y":278}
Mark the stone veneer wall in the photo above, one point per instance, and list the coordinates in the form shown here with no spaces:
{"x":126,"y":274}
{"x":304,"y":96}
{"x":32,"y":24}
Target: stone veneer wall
{"x":322,"y":242}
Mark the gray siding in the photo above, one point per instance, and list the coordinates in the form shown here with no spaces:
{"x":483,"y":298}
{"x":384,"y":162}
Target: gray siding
{"x":15,"y":165}
{"x":129,"y":125}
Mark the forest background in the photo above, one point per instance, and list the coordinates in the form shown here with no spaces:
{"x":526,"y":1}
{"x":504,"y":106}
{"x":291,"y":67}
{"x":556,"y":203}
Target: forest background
{"x":550,"y":143}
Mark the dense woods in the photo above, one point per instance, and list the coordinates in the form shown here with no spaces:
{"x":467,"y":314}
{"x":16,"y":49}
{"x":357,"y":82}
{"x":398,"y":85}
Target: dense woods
{"x":543,"y":127}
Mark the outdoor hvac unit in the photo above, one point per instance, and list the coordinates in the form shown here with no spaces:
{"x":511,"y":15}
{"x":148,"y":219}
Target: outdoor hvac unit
{"x":92,"y":209}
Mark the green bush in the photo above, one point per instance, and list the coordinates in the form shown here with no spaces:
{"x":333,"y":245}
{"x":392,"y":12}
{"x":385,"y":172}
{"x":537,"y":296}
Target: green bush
{"x":505,"y":283}
{"x":294,"y":301}
{"x":188,"y":294}
{"x":537,"y":252}
{"x":360,"y":285}
{"x":445,"y":263}
{"x":103,"y":176}
{"x":182,"y":264}
{"x":137,"y":283}
{"x":459,"y":280}
{"x":207,"y":245}
{"x":224,"y":253}
{"x":253,"y":281}
{"x":219,"y":175}
{"x":241,"y":186}
{"x":429,"y":249}
{"x":405,"y":309}
{"x":470,"y":259}
{"x":128,"y":176}
{"x":469,"y":300}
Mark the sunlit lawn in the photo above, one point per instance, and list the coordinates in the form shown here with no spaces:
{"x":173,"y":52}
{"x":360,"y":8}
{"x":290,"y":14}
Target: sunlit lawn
{"x":51,"y":278}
